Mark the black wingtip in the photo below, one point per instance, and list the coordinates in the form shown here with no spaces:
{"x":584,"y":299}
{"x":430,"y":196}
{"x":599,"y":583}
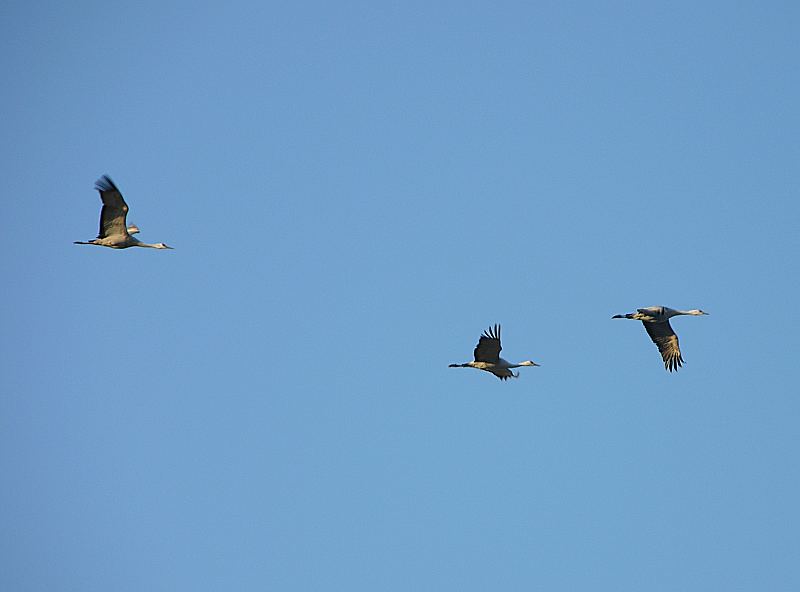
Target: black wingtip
{"x":105,"y":183}
{"x":673,"y":364}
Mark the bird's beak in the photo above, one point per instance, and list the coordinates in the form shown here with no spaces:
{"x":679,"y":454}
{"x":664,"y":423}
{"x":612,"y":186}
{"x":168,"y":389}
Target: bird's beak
{"x":705,"y":313}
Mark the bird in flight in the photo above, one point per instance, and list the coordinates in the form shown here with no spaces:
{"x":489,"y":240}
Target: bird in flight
{"x":656,"y":321}
{"x":113,"y":230}
{"x":487,"y":356}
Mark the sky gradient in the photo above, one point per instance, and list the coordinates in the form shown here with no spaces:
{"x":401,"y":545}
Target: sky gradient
{"x":354,"y":191}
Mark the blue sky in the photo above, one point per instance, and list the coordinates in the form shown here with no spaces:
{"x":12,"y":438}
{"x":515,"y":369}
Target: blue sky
{"x":355,"y":191}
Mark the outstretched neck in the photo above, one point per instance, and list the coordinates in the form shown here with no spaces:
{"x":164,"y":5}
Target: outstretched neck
{"x":525,"y":363}
{"x":151,"y":246}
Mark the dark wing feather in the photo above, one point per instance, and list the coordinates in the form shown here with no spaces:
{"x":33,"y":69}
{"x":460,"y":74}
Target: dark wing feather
{"x":115,"y":210}
{"x":667,"y":342}
{"x":488,"y":348}
{"x":505,"y":376}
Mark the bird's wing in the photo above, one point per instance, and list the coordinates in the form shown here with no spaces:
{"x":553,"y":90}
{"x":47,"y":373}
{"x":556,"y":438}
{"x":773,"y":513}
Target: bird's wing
{"x":115,"y":210}
{"x":667,"y":342}
{"x":502,"y":373}
{"x":488,"y":348}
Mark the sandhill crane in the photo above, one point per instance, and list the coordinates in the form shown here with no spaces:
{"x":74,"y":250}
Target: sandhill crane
{"x":487,"y":356}
{"x":656,"y":321}
{"x":113,"y":232}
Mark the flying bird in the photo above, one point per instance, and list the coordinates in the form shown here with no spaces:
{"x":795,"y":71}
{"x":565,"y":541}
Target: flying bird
{"x":656,"y":321}
{"x":487,"y":356}
{"x":113,"y":230}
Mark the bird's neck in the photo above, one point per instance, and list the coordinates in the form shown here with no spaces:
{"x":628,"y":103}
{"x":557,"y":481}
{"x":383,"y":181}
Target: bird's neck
{"x":521,"y":364}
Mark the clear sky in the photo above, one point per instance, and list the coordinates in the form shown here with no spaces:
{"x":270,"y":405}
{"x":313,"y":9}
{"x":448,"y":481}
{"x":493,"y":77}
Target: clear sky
{"x":354,"y":191}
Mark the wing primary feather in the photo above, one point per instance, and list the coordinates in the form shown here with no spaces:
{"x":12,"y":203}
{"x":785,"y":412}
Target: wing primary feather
{"x":105,"y":183}
{"x":667,"y":343}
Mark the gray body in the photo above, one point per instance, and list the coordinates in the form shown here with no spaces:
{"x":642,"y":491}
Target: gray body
{"x":487,"y":356}
{"x":656,"y":322}
{"x":114,"y":233}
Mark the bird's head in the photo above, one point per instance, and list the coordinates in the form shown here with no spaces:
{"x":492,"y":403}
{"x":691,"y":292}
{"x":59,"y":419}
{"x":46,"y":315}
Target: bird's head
{"x":697,"y":312}
{"x":162,"y":246}
{"x":529,"y":363}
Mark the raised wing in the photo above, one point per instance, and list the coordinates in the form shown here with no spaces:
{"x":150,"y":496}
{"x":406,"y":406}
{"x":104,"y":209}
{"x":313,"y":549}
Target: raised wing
{"x":115,"y":210}
{"x":488,"y":348}
{"x":667,"y":342}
